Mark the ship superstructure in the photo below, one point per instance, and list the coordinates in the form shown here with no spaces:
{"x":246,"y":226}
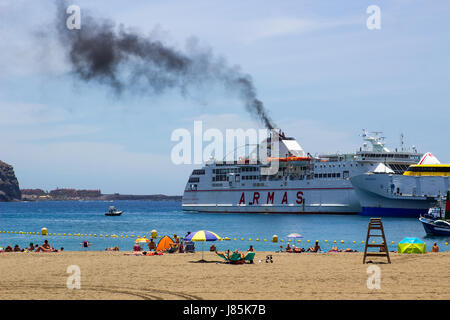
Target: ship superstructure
{"x":407,"y":195}
{"x":302,"y":184}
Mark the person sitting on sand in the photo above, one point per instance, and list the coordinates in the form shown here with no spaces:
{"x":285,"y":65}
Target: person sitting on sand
{"x":315,"y":249}
{"x":151,"y":245}
{"x":239,"y":253}
{"x":31,"y":247}
{"x":288,"y":248}
{"x":137,"y":247}
{"x":17,"y":248}
{"x":251,"y":249}
{"x":45,"y":247}
{"x":435,"y":248}
{"x":213,"y":248}
{"x":181,"y":248}
{"x":8,"y":249}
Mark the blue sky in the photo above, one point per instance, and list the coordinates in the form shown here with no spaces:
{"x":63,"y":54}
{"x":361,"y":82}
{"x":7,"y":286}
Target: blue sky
{"x":320,"y":72}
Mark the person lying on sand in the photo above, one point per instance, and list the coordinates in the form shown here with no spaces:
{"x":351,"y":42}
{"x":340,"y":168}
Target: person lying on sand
{"x":116,"y":248}
{"x":225,"y":253}
{"x":315,"y":249}
{"x":334,"y":249}
{"x":45,"y":247}
{"x":298,"y":250}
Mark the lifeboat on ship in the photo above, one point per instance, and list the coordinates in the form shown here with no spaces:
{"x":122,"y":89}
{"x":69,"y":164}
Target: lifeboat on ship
{"x":288,"y":159}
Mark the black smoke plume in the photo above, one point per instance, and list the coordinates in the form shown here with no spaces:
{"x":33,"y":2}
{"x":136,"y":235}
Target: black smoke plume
{"x":125,"y":60}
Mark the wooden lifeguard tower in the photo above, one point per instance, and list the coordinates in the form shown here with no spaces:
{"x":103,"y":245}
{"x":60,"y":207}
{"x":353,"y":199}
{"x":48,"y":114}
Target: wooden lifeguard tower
{"x":376,"y":224}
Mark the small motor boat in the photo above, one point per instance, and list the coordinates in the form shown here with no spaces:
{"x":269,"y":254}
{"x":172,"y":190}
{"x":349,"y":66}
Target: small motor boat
{"x":113,"y":212}
{"x":436,"y":222}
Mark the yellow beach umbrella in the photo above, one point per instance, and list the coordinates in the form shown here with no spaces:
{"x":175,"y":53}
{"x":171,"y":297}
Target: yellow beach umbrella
{"x":203,"y":235}
{"x":141,"y":240}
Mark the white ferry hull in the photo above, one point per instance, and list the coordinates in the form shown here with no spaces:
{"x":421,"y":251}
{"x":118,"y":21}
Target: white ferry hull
{"x":298,"y":200}
{"x":397,"y":195}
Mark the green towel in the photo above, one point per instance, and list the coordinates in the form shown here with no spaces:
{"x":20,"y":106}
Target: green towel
{"x":235,"y":257}
{"x":250,"y":256}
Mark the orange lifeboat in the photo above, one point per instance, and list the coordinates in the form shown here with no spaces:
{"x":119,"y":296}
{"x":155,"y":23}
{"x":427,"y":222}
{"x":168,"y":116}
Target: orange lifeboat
{"x":286,"y":159}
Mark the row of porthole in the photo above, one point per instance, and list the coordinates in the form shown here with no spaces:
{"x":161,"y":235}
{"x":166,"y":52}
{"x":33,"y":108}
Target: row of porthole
{"x":133,"y":236}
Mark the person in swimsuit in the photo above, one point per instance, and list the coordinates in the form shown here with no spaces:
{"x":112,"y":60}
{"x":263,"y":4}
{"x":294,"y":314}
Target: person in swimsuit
{"x":45,"y":247}
{"x":435,"y":248}
{"x":316,"y":248}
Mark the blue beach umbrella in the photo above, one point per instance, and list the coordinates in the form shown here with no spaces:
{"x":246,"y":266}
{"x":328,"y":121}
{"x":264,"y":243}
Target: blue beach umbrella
{"x":202,"y":235}
{"x":411,"y":245}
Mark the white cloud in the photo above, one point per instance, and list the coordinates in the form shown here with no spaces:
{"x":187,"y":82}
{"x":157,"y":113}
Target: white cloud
{"x":30,"y":113}
{"x":282,"y":26}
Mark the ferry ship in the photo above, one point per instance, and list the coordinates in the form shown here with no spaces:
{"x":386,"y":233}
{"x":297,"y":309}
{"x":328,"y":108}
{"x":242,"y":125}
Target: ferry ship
{"x":407,"y":195}
{"x":303,"y":183}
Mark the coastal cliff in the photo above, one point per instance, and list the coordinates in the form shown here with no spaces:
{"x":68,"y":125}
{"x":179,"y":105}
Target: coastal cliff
{"x":9,"y":186}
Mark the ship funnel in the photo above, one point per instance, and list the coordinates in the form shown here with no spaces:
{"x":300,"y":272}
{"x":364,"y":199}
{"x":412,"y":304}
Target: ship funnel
{"x":429,"y":158}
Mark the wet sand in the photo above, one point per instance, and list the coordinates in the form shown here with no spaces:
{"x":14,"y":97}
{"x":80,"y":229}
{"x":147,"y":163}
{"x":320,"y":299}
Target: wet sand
{"x":114,"y":275}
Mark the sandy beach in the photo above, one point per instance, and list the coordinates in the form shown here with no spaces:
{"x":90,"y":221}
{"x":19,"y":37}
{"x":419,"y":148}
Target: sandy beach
{"x":114,"y":275}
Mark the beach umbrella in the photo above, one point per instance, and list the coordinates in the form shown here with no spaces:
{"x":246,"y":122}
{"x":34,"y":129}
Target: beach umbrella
{"x":294,"y":236}
{"x":411,"y":245}
{"x":142,"y":240}
{"x":202,"y":236}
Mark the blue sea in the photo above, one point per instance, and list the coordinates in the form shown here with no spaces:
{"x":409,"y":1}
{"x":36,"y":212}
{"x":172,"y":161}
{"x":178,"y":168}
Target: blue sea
{"x":140,"y":217}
